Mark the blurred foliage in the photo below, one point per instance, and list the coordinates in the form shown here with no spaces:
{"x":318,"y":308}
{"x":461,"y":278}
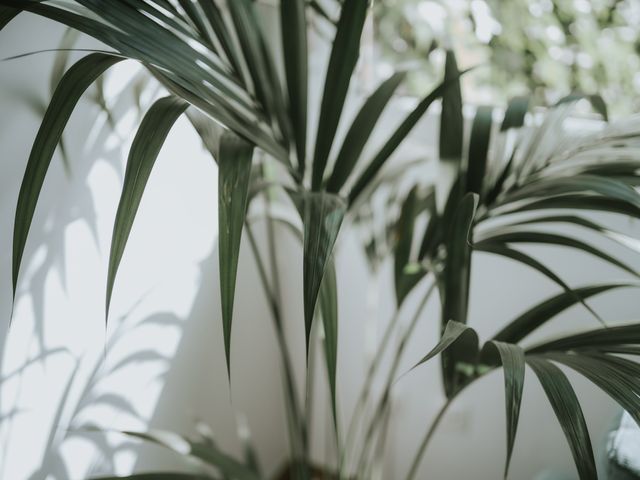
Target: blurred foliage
{"x":547,"y":47}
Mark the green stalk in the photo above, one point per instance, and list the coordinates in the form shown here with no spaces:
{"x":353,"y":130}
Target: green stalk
{"x":366,"y":389}
{"x":294,"y":417}
{"x":386,"y":397}
{"x":427,"y":438}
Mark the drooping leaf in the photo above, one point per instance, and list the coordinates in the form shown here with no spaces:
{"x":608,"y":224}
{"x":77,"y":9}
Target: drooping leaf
{"x":234,"y":172}
{"x":600,"y":339}
{"x":329,"y":310}
{"x":195,"y":74}
{"x":576,"y":201}
{"x":360,"y":131}
{"x":69,"y":90}
{"x":535,"y":237}
{"x":608,"y":374}
{"x":576,"y":184}
{"x":479,"y":149}
{"x":617,"y":237}
{"x":294,"y":46}
{"x":344,"y":55}
{"x":569,"y":413}
{"x":518,"y":256}
{"x":322,"y":214}
{"x":541,"y":313}
{"x":511,"y":357}
{"x":454,"y":332}
{"x":145,"y":148}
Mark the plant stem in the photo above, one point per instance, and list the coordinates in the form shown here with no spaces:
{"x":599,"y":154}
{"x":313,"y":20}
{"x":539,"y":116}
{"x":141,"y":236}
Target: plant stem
{"x":295,"y":416}
{"x":386,"y":395}
{"x":364,"y":393}
{"x":427,"y":439}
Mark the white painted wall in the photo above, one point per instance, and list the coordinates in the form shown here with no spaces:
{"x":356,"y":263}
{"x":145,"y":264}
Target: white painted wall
{"x":166,"y":301}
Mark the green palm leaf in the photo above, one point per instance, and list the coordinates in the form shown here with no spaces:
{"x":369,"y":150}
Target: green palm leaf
{"x":322,"y":215}
{"x":329,"y":310}
{"x":145,"y":148}
{"x":543,"y":312}
{"x":360,"y":131}
{"x":344,"y":55}
{"x":453,"y":333}
{"x":569,"y":413}
{"x":294,"y":47}
{"x":234,"y":171}
{"x":479,"y":149}
{"x":67,"y":94}
{"x":511,"y":357}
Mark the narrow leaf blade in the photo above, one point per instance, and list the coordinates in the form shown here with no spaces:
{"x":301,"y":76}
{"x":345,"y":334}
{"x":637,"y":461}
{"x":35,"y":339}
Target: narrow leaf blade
{"x":145,"y":148}
{"x":511,"y":357}
{"x":322,"y":215}
{"x":569,"y":413}
{"x":294,"y":43}
{"x":68,"y":92}
{"x":360,"y":131}
{"x":329,"y":310}
{"x":453,"y":332}
{"x":234,"y":172}
{"x":344,"y":55}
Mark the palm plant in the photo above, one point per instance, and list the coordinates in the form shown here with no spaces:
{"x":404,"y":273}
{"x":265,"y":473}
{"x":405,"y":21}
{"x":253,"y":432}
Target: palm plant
{"x":218,"y":66}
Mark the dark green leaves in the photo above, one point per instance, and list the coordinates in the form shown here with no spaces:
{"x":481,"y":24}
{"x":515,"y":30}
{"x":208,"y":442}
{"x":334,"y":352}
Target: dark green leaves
{"x":234,"y":171}
{"x":322,"y":215}
{"x":516,"y":111}
{"x":398,"y":136}
{"x":329,"y":311}
{"x":144,"y":150}
{"x":455,"y":278}
{"x":512,"y":359}
{"x":457,"y":262}
{"x":405,"y":281}
{"x":541,"y":313}
{"x":360,"y":131}
{"x":479,"y":149}
{"x":600,"y":339}
{"x":294,"y":45}
{"x":451,"y":120}
{"x":68,"y":92}
{"x":567,"y":408}
{"x":518,"y":236}
{"x":454,"y":332}
{"x":344,"y":55}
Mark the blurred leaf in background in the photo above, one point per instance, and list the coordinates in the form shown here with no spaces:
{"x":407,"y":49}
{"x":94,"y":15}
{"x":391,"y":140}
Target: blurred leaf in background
{"x":546,"y":47}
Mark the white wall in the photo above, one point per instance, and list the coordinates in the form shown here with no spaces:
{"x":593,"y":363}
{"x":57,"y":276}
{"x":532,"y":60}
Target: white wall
{"x":166,"y":301}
